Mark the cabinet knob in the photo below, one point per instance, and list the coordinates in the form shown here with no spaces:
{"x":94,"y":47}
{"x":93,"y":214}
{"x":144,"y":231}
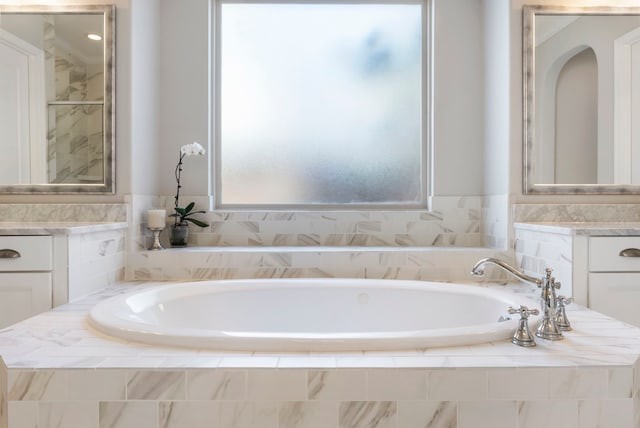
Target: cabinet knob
{"x":9,"y":254}
{"x":630,"y":252}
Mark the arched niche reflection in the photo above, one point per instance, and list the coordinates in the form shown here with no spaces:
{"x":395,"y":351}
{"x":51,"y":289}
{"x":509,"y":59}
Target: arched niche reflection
{"x":589,"y":43}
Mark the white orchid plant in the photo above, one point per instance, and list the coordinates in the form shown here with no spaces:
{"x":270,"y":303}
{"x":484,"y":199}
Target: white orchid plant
{"x":183,"y":214}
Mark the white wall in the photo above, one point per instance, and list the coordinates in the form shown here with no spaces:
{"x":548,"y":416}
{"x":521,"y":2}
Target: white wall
{"x":459,"y":97}
{"x":146,"y":98}
{"x":184,"y":77}
{"x":497,"y":113}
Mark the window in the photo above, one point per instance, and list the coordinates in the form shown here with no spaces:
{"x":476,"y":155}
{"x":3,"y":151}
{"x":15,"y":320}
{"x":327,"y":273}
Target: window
{"x":321,"y":104}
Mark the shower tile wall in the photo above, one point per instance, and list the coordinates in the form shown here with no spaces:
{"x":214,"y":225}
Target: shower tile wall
{"x":75,"y":149}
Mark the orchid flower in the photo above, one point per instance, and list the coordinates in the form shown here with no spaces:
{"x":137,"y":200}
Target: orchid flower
{"x":181,"y":213}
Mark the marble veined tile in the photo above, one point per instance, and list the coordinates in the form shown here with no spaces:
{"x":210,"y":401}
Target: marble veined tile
{"x":340,"y":385}
{"x":128,"y":414}
{"x":216,"y":385}
{"x":27,"y":385}
{"x":68,"y":414}
{"x":308,"y":414}
{"x":248,"y":414}
{"x":188,"y":414}
{"x":368,"y":414}
{"x":428,"y":414}
{"x":155,"y":385}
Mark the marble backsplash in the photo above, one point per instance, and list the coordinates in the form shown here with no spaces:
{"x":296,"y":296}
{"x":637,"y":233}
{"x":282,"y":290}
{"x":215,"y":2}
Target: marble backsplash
{"x":81,"y":213}
{"x":494,"y":220}
{"x":454,"y":221}
{"x":539,"y":213}
{"x":207,"y":263}
{"x":441,"y":244}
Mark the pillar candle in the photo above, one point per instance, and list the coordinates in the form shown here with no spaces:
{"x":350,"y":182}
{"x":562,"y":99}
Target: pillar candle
{"x":156,"y":219}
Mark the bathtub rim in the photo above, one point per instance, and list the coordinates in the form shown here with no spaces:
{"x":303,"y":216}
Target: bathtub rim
{"x":99,"y":320}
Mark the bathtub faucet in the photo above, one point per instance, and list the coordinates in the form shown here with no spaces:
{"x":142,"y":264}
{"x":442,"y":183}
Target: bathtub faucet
{"x":548,"y":328}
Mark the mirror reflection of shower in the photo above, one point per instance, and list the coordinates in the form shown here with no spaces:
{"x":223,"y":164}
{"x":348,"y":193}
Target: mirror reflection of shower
{"x":57,"y":132}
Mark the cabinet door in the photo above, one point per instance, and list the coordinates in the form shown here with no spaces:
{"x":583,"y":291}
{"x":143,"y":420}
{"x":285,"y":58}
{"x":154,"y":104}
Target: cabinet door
{"x":616,"y":295}
{"x":23,"y":295}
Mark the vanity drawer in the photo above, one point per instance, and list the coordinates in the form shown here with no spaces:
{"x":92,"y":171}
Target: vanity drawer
{"x":35,"y":253}
{"x":604,"y":254}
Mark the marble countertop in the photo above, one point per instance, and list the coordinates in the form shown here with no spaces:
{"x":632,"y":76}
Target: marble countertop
{"x":61,"y":338}
{"x":57,"y":227}
{"x":583,"y":228}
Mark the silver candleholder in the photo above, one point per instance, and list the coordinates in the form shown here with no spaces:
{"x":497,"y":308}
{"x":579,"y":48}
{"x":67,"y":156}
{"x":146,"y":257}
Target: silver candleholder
{"x":156,"y":238}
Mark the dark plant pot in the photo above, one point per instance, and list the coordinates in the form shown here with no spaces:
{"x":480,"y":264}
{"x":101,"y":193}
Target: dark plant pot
{"x":179,"y":235}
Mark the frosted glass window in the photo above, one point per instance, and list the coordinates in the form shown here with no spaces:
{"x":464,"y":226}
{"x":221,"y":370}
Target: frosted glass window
{"x":321,"y":104}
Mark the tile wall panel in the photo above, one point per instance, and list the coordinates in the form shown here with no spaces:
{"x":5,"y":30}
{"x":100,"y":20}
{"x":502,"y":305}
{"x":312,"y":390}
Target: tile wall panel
{"x":311,"y":398}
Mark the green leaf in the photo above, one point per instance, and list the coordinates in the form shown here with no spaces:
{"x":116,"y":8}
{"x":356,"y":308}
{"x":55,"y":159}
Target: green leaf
{"x":189,"y":207}
{"x":197,"y":222}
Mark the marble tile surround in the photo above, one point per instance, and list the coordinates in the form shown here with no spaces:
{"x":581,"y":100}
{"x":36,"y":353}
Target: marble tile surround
{"x":371,"y":244}
{"x":200,"y":263}
{"x":454,"y":221}
{"x":53,"y":364}
{"x":535,"y":251}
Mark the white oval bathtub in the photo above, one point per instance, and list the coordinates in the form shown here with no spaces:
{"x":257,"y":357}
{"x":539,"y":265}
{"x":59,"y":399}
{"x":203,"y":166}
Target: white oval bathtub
{"x":310,"y":314}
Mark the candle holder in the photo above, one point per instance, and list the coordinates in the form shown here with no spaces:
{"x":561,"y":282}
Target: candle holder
{"x":156,"y":238}
{"x":156,"y":222}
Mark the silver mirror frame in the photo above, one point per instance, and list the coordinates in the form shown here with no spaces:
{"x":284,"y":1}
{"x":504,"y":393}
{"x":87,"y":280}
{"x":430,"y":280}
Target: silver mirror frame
{"x":108,"y":138}
{"x":528,"y":84}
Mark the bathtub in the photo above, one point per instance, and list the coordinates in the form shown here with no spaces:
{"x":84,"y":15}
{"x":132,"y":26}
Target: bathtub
{"x":283,"y":315}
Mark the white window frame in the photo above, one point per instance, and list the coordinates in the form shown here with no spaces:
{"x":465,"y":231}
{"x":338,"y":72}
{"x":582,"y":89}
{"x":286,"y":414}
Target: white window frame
{"x":427,"y":169}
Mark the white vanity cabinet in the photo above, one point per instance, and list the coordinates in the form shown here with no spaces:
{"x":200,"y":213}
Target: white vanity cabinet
{"x":614,"y":277}
{"x":597,"y":263}
{"x":26,"y":264}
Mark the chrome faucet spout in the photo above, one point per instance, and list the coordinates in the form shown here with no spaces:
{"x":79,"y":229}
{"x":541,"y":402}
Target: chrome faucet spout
{"x":478,"y":270}
{"x":548,"y":328}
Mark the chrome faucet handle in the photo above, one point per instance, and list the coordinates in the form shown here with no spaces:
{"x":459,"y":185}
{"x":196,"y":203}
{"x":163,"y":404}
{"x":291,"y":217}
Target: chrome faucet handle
{"x":523,"y":335}
{"x":561,"y":315}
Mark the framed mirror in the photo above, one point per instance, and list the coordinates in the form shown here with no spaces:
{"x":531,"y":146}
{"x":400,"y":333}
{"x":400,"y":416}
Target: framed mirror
{"x":57,"y":90}
{"x":581,"y":90}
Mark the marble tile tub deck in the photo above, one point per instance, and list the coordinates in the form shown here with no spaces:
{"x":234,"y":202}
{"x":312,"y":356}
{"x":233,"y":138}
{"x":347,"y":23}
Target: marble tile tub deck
{"x":57,"y":372}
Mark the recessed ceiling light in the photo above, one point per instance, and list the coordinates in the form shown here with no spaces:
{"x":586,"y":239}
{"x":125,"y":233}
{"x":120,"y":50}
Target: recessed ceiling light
{"x":93,"y":36}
